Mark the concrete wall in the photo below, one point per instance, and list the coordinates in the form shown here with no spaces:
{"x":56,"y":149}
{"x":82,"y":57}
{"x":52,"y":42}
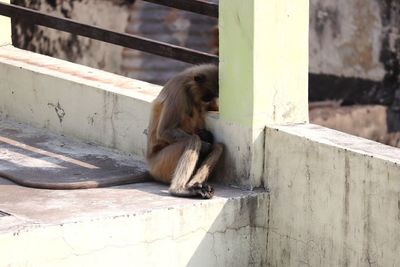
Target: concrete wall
{"x":356,"y":38}
{"x":75,"y":100}
{"x":335,"y":199}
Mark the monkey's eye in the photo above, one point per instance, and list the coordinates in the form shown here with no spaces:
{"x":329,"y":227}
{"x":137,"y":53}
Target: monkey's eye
{"x":200,"y":78}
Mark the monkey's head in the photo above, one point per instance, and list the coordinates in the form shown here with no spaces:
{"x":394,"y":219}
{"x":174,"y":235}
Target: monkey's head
{"x":205,"y":77}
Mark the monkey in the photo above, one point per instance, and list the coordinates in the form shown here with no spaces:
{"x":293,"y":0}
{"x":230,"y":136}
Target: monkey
{"x":180,"y":151}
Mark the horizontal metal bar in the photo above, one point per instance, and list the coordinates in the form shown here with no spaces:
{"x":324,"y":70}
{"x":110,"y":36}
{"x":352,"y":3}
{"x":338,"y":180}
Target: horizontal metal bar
{"x":122,"y":39}
{"x":195,"y":6}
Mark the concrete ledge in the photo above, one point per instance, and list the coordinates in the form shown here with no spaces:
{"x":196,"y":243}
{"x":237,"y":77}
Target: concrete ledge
{"x":335,"y":198}
{"x":108,"y":110}
{"x":125,"y":225}
{"x":137,"y":225}
{"x":75,"y":100}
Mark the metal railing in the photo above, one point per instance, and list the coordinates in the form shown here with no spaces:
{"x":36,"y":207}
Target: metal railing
{"x":122,"y":39}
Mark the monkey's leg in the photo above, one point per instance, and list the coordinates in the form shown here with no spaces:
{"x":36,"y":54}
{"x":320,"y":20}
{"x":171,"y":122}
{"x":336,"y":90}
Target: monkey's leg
{"x":184,"y":170}
{"x":206,"y":167}
{"x":163,"y":164}
{"x":185,"y":167}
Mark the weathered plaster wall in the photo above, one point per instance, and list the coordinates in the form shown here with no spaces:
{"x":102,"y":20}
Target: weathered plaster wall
{"x":356,"y":38}
{"x":335,"y":199}
{"x":345,"y":38}
{"x":75,"y":100}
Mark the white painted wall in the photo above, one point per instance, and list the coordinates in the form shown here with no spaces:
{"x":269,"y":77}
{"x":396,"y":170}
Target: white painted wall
{"x":74,"y":100}
{"x":335,"y":198}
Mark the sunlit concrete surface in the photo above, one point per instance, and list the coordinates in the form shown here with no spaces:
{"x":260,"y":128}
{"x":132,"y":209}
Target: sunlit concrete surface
{"x":136,"y":225}
{"x":38,"y":155}
{"x":139,"y":224}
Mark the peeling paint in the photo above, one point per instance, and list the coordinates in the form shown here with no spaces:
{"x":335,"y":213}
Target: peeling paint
{"x":59,"y":110}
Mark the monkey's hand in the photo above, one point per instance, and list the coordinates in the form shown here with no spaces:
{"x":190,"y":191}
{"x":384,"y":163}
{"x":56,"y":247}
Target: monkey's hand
{"x":205,"y":136}
{"x":173,"y":135}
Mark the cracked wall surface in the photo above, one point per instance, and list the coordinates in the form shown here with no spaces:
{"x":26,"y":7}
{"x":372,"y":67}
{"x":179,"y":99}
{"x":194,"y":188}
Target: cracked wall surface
{"x":334,"y":199}
{"x":221,"y":232}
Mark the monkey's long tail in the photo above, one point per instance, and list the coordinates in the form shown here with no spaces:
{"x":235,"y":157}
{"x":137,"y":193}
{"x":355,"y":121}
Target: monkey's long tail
{"x":113,"y":181}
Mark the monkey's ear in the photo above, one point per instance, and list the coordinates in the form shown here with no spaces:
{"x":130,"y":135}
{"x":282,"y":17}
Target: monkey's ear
{"x":200,"y":78}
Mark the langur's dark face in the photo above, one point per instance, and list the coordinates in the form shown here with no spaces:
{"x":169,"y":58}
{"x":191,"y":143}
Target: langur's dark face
{"x":207,"y":79}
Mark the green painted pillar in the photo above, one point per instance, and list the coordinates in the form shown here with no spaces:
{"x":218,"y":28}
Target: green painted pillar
{"x":263,"y":79}
{"x":264,"y":61}
{"x":5,"y":28}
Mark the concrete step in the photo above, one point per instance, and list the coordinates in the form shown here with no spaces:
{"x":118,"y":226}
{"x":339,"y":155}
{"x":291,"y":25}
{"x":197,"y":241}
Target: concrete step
{"x":130,"y":225}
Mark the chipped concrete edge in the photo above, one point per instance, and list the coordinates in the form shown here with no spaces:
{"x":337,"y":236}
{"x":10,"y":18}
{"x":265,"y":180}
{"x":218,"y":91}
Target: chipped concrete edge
{"x":74,"y":100}
{"x":225,"y":232}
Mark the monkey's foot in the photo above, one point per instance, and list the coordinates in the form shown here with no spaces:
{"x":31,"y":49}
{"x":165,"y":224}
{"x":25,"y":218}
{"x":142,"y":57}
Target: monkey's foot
{"x":202,"y":190}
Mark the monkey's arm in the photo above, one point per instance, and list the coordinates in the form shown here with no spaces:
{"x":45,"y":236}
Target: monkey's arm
{"x":168,"y":126}
{"x":168,"y":129}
